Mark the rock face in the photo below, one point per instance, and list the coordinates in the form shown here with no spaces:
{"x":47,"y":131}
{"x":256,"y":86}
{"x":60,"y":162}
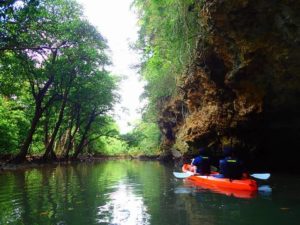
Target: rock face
{"x":243,"y":88}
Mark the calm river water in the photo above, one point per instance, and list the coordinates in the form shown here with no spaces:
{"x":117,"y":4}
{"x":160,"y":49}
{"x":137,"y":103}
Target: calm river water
{"x":136,"y":193}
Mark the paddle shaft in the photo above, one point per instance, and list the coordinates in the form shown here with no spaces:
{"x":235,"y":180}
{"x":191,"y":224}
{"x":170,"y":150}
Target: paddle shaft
{"x":261,"y":176}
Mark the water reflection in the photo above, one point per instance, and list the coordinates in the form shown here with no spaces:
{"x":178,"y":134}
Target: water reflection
{"x":104,"y":193}
{"x":135,"y":193}
{"x":124,"y":207}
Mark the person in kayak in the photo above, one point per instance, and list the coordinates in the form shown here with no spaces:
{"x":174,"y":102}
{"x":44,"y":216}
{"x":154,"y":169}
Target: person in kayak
{"x":201,"y":164}
{"x":230,"y":167}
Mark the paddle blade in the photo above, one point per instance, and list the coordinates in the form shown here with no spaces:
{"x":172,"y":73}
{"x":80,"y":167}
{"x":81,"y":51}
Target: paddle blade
{"x":183,"y":175}
{"x":262,"y":176}
{"x":265,"y":189}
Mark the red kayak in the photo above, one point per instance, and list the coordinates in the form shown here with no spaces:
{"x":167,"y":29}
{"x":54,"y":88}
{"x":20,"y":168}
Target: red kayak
{"x":243,"y":188}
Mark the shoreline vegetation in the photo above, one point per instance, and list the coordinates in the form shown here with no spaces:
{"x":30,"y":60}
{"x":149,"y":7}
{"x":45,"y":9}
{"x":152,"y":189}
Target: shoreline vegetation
{"x":37,"y":161}
{"x":57,"y":93}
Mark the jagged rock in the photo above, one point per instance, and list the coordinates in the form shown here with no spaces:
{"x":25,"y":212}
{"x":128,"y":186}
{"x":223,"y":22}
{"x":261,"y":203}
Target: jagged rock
{"x":243,"y":88}
{"x":176,"y":154}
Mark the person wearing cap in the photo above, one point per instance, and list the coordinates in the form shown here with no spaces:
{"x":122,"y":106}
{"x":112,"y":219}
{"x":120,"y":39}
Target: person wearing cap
{"x":230,"y":167}
{"x":201,"y":163}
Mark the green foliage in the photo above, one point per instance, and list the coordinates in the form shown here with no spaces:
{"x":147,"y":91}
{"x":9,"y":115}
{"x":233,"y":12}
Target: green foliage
{"x":144,"y":139}
{"x":13,"y":125}
{"x":54,"y":85}
{"x":9,"y":67}
{"x":168,"y":36}
{"x":113,"y":146}
{"x":53,"y":68}
{"x":104,"y":137}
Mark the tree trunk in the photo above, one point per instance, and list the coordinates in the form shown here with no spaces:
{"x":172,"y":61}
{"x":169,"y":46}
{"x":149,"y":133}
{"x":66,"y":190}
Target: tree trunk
{"x":84,"y":135}
{"x":46,"y":129}
{"x":69,"y":143}
{"x":39,"y":109}
{"x":71,"y":135}
{"x":60,"y":142}
{"x":25,"y":146}
{"x":49,"y":150}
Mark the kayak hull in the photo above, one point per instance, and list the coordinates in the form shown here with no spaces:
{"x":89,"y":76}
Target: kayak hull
{"x":244,"y":184}
{"x":221,"y":190}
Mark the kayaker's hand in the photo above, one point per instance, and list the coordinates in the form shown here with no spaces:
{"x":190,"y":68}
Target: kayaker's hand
{"x":246,"y":175}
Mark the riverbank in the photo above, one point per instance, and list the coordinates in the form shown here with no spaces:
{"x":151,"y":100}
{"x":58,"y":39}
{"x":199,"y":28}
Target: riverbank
{"x":37,"y":161}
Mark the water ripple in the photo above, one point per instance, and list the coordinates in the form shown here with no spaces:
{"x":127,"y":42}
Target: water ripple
{"x":124,"y":207}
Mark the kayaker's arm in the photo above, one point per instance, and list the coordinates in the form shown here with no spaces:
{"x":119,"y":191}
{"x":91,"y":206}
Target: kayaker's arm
{"x":193,"y":168}
{"x":192,"y":161}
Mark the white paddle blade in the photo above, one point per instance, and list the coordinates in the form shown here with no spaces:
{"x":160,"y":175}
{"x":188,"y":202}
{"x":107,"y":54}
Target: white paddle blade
{"x":262,"y":176}
{"x":183,"y":175}
{"x":265,"y":188}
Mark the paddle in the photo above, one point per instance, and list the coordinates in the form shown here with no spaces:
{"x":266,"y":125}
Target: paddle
{"x":262,"y":176}
{"x":183,"y":175}
{"x":265,"y":189}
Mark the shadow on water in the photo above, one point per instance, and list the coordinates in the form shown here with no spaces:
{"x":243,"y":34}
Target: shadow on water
{"x":136,"y":193}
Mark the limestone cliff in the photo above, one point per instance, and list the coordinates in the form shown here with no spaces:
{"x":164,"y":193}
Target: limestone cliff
{"x":243,"y":87}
